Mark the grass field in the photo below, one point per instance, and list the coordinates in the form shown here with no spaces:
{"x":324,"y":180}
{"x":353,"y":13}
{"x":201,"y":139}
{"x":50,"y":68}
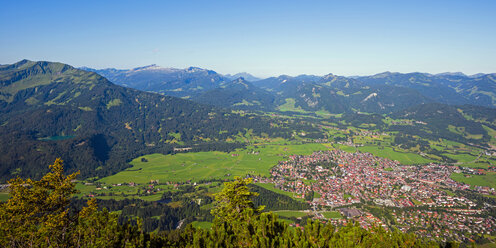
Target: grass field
{"x":462,"y":157}
{"x":289,"y":214}
{"x":478,"y":165}
{"x":290,"y":106}
{"x":388,"y":152}
{"x":491,"y":133}
{"x":344,"y":148}
{"x":121,"y":192}
{"x":206,"y":165}
{"x":332,"y":215}
{"x":488,"y":180}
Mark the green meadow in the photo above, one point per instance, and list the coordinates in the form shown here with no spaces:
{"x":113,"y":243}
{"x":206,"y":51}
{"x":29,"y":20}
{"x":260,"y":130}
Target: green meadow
{"x":488,"y":180}
{"x":462,"y":157}
{"x":402,"y":157}
{"x":332,"y":215}
{"x":289,"y":214}
{"x":290,"y":106}
{"x":344,"y":148}
{"x":179,"y":167}
{"x":121,"y":192}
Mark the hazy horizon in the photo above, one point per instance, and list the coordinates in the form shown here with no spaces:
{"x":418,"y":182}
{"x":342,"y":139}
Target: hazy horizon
{"x":261,"y":77}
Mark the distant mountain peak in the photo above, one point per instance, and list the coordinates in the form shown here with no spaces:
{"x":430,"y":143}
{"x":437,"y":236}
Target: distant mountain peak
{"x":478,"y":75}
{"x":245,"y":75}
{"x":194,"y":69}
{"x":461,"y":74}
{"x":285,"y":77}
{"x":18,"y":64}
{"x":239,"y":80}
{"x":384,"y":74}
{"x":147,"y":67}
{"x":22,"y":62}
{"x":88,"y":68}
{"x":329,"y":76}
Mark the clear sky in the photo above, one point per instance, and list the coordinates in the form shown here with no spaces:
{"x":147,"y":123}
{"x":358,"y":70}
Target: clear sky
{"x":264,"y":38}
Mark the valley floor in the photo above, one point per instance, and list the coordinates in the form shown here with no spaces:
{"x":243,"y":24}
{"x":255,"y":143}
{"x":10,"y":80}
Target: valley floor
{"x":355,"y":180}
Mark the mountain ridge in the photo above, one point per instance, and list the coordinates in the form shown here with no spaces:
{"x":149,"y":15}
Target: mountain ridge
{"x":452,"y":88}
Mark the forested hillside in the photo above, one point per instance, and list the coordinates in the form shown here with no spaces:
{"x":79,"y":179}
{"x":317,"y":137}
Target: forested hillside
{"x":53,"y":110}
{"x":239,"y":94}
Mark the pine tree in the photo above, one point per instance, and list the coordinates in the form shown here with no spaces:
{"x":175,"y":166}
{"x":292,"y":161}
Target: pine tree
{"x":234,"y":203}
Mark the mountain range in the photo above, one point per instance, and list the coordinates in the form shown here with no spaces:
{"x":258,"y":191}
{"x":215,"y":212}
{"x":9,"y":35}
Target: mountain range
{"x":381,"y":93}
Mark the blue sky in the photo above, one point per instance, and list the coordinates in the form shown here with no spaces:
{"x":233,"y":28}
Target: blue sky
{"x":264,"y":38}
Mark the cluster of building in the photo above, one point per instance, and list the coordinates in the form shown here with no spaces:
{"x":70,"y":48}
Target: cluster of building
{"x":349,"y":142}
{"x":343,"y":179}
{"x":454,"y":225}
{"x":471,"y":171}
{"x":372,"y":134}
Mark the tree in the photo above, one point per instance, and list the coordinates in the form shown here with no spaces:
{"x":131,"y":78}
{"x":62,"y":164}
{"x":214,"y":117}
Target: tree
{"x":234,"y":202}
{"x":235,"y":214}
{"x":101,"y":229}
{"x":37,"y":215}
{"x":37,"y":211}
{"x":239,"y":224}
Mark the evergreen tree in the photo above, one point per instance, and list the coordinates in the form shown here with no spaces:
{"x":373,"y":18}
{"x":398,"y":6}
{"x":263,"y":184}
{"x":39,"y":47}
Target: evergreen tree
{"x":234,"y":203}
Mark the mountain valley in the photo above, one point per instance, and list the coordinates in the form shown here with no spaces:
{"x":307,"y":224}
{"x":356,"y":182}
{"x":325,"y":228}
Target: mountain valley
{"x":165,"y":139}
